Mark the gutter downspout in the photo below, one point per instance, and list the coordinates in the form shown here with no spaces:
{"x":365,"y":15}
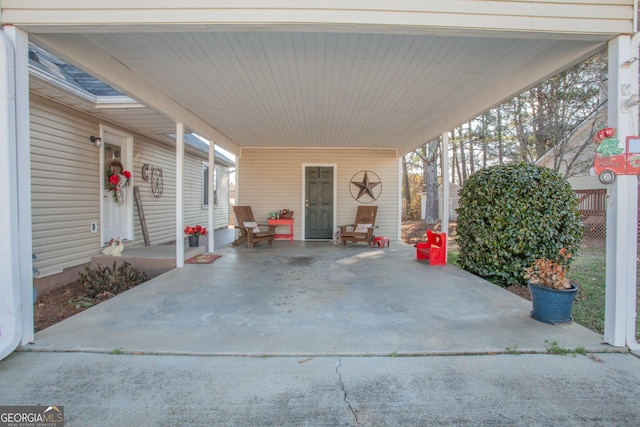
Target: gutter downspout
{"x":10,"y":292}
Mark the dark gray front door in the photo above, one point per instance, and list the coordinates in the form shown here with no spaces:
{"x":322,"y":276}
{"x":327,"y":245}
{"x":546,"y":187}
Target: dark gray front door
{"x":319,"y":202}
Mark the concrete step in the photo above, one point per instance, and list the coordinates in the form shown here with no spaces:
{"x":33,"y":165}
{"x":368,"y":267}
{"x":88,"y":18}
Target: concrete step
{"x":153,"y":260}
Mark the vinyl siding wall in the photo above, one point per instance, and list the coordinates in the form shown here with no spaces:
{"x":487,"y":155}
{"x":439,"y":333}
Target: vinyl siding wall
{"x":222,"y":211}
{"x":66,"y":188}
{"x":586,"y":182}
{"x":194,"y":211}
{"x":159,"y":210}
{"x":272,"y":179}
{"x":582,"y":181}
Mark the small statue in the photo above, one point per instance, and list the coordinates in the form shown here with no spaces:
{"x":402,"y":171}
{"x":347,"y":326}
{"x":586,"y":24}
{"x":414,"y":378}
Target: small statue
{"x":107,"y":250}
{"x":118,"y":248}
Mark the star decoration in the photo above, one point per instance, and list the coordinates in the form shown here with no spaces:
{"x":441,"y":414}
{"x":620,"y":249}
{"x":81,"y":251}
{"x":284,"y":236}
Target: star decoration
{"x":365,"y":187}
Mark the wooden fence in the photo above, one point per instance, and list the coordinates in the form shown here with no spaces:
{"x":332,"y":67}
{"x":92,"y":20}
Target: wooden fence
{"x":593,"y":206}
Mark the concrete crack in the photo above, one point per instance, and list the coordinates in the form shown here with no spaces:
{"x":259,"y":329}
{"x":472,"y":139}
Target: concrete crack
{"x":344,"y":391}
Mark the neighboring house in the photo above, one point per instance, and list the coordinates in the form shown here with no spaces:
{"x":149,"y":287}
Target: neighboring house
{"x":579,"y":150}
{"x":454,"y":199}
{"x":73,"y":215}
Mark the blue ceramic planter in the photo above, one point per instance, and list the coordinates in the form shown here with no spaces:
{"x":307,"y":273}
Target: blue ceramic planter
{"x":551,"y":305}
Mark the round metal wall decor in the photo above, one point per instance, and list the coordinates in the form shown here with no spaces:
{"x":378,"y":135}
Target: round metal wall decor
{"x":365,"y":186}
{"x":157,"y":183}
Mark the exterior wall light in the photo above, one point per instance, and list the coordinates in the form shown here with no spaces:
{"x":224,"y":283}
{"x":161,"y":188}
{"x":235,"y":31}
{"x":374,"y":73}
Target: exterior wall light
{"x":96,"y":141}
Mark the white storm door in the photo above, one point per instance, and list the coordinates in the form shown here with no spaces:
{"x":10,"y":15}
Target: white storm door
{"x":116,"y":217}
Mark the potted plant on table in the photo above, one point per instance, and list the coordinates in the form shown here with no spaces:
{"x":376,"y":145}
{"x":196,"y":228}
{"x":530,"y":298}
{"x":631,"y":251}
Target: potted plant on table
{"x":552,"y":293}
{"x":194,"y":232}
{"x":286,"y":214}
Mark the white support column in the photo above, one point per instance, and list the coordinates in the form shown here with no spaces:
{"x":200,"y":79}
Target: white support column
{"x":445,"y":186}
{"x":399,"y":229}
{"x":622,"y":206}
{"x":179,"y":195}
{"x":212,"y":167}
{"x":23,"y":155}
{"x":10,"y":287}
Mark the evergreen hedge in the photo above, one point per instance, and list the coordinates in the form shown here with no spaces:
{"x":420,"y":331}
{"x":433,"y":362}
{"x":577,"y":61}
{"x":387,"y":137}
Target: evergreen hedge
{"x":510,"y":215}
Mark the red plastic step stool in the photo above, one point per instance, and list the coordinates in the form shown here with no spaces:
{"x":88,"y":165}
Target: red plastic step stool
{"x":381,"y":241}
{"x":435,"y":249}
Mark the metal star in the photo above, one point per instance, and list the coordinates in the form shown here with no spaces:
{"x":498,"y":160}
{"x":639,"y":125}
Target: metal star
{"x":366,"y":186}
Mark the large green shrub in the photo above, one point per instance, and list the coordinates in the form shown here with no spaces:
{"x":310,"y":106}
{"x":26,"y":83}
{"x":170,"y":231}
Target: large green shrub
{"x":510,"y":215}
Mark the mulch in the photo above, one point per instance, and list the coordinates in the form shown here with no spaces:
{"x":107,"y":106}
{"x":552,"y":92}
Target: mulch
{"x":57,"y":305}
{"x":521,"y":291}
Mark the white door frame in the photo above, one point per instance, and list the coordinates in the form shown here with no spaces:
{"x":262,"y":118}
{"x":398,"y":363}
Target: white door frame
{"x":304,"y":194}
{"x":127,"y":156}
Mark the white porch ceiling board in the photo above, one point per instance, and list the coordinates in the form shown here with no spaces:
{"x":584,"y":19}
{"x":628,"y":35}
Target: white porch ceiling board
{"x":503,"y":86}
{"x":317,"y":89}
{"x":323,"y":89}
{"x":77,"y":50}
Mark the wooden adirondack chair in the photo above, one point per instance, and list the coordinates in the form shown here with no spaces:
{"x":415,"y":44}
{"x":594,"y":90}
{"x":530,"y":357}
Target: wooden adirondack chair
{"x":362,"y":228}
{"x":250,"y":230}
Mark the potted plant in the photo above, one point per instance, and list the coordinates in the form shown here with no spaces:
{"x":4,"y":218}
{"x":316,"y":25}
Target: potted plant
{"x":552,"y":293}
{"x":194,"y":232}
{"x":286,"y":214}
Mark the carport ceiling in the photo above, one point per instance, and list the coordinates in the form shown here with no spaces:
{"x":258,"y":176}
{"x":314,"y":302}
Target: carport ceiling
{"x":325,"y":89}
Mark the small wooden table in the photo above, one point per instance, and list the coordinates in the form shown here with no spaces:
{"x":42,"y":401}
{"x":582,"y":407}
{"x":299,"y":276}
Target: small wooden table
{"x":283,"y":222}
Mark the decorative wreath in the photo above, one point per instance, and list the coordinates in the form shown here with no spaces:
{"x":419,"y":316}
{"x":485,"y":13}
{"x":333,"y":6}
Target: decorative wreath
{"x":635,"y":161}
{"x":117,"y":180}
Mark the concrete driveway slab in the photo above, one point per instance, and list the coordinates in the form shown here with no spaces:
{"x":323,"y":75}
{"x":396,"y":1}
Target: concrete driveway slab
{"x":501,"y":390}
{"x":319,"y":335}
{"x":313,"y":299}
